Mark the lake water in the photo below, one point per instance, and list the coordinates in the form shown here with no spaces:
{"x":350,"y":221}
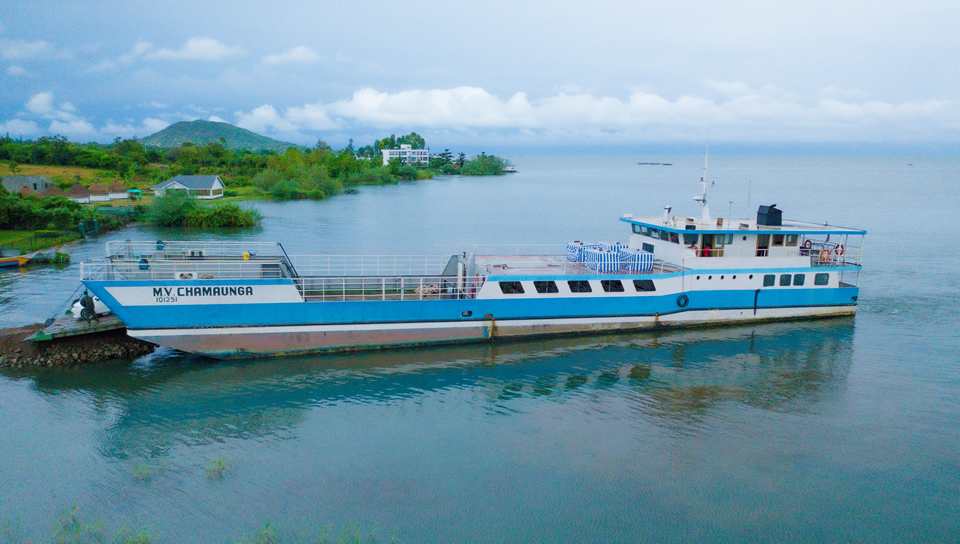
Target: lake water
{"x":836,"y":430}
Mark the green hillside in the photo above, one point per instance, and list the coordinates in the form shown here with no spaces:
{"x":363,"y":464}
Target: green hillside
{"x":201,"y":132}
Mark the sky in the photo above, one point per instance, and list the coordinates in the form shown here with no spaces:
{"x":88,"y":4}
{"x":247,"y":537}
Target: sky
{"x":504,"y":76}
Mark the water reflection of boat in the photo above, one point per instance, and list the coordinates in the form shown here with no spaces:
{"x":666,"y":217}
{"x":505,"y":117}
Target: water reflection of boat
{"x":672,"y":378}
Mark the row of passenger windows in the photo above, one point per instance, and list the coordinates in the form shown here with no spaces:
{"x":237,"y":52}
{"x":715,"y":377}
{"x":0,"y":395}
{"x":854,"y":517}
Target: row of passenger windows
{"x":576,"y":286}
{"x":795,"y":279}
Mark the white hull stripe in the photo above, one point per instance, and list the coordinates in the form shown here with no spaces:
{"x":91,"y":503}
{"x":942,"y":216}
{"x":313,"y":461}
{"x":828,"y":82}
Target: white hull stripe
{"x":695,"y":316}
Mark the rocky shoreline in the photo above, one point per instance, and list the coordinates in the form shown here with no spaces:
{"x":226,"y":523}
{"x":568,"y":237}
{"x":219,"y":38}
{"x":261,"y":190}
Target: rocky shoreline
{"x":100,"y":347}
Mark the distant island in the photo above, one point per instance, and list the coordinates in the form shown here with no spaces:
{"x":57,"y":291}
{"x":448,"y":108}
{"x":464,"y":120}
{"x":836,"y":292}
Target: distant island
{"x":201,"y":132}
{"x":655,"y":164}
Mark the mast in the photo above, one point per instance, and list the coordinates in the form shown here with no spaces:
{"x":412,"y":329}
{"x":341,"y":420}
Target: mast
{"x":702,"y":199}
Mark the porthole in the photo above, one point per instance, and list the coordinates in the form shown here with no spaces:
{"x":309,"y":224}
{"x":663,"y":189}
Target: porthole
{"x":751,"y":276}
{"x":734,"y":276}
{"x":698,"y":277}
{"x":721,"y":277}
{"x":709,"y":277}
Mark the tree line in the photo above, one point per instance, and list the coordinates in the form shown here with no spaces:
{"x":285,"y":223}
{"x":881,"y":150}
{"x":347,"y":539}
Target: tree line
{"x":316,"y":172}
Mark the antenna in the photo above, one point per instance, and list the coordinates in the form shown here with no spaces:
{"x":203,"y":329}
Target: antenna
{"x":702,"y":199}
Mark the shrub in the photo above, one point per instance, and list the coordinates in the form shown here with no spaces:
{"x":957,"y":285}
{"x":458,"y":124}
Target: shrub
{"x":171,"y":209}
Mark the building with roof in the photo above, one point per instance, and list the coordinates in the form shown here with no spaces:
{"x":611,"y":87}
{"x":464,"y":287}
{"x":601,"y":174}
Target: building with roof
{"x":117,"y":190}
{"x":78,"y":193}
{"x":52,"y":191}
{"x":37,"y":183}
{"x":407,"y":155}
{"x":202,"y":187}
{"x":98,"y":192}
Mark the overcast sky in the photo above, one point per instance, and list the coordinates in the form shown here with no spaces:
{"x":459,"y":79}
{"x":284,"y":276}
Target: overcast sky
{"x":496,"y":74}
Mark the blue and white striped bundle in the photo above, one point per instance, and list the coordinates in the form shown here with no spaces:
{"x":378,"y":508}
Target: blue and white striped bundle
{"x":601,"y":260}
{"x":636,"y":260}
{"x":616,"y":247}
{"x":576,"y":251}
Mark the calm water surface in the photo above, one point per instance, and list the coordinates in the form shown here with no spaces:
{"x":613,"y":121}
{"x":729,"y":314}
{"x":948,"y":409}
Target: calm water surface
{"x":836,"y":430}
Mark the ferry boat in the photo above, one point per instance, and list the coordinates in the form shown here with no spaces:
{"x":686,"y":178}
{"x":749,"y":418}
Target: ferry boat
{"x":244,"y":299}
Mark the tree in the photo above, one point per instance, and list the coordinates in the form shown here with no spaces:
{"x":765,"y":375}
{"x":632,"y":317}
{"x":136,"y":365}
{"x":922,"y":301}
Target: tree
{"x":461,"y":158}
{"x":415,"y":140}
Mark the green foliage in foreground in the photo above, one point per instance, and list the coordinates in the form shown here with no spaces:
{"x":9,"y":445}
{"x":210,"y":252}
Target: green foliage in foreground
{"x":177,"y":209}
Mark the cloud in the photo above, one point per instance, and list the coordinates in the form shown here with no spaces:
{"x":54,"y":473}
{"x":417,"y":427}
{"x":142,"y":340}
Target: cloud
{"x":147,"y":127}
{"x":259,"y":119}
{"x":739,"y":112}
{"x":23,"y":50}
{"x":15,"y":70}
{"x":296,"y":55}
{"x":41,"y":104}
{"x":63,"y":120}
{"x":204,"y":49}
{"x":18,"y":127}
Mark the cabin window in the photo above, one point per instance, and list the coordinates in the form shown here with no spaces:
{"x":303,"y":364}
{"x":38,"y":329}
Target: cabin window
{"x":644,"y":230}
{"x":612,"y":286}
{"x":511,"y":288}
{"x":690,"y":239}
{"x":785,"y":280}
{"x":763,"y":244}
{"x":579,"y":286}
{"x":637,"y":229}
{"x":778,"y":239}
{"x":718,"y":241}
{"x":730,"y":239}
{"x":648,"y":248}
{"x":792,"y":239}
{"x":546,"y":287}
{"x":674,"y":237}
{"x":769,"y":280}
{"x":821,"y":279}
{"x":798,"y":279}
{"x":644,"y":285}
{"x":655,"y":234}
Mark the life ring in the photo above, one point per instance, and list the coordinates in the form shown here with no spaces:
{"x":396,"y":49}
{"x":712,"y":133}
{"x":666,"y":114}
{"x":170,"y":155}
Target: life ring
{"x":839,"y":250}
{"x":824,"y":254}
{"x":807,"y":244}
{"x":682,"y":301}
{"x":144,"y":264}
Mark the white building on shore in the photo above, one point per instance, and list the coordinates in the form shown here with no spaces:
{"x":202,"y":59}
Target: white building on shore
{"x":407,"y":155}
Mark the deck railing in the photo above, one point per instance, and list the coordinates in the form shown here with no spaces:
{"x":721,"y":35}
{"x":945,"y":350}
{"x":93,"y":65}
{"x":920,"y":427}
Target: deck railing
{"x":331,"y":289}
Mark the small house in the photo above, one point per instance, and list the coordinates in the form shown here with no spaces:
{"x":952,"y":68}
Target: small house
{"x":202,"y":187}
{"x":78,"y":193}
{"x":52,"y":191}
{"x":27,"y":191}
{"x":117,"y":190}
{"x":98,"y":192}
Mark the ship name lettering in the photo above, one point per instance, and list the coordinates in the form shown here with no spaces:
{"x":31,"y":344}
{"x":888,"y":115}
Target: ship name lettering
{"x":219,"y":291}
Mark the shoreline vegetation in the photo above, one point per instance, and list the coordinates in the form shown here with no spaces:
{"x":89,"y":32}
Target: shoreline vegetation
{"x":295,"y":174}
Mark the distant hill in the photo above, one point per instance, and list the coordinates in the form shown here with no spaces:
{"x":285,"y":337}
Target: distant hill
{"x":201,"y":132}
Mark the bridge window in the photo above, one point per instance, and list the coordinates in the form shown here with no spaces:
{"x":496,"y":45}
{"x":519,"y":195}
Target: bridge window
{"x":769,"y":280}
{"x":511,"y":288}
{"x":821,"y":279}
{"x":644,"y":285}
{"x":579,"y":286}
{"x":546,"y":286}
{"x":792,"y":240}
{"x":612,"y":286}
